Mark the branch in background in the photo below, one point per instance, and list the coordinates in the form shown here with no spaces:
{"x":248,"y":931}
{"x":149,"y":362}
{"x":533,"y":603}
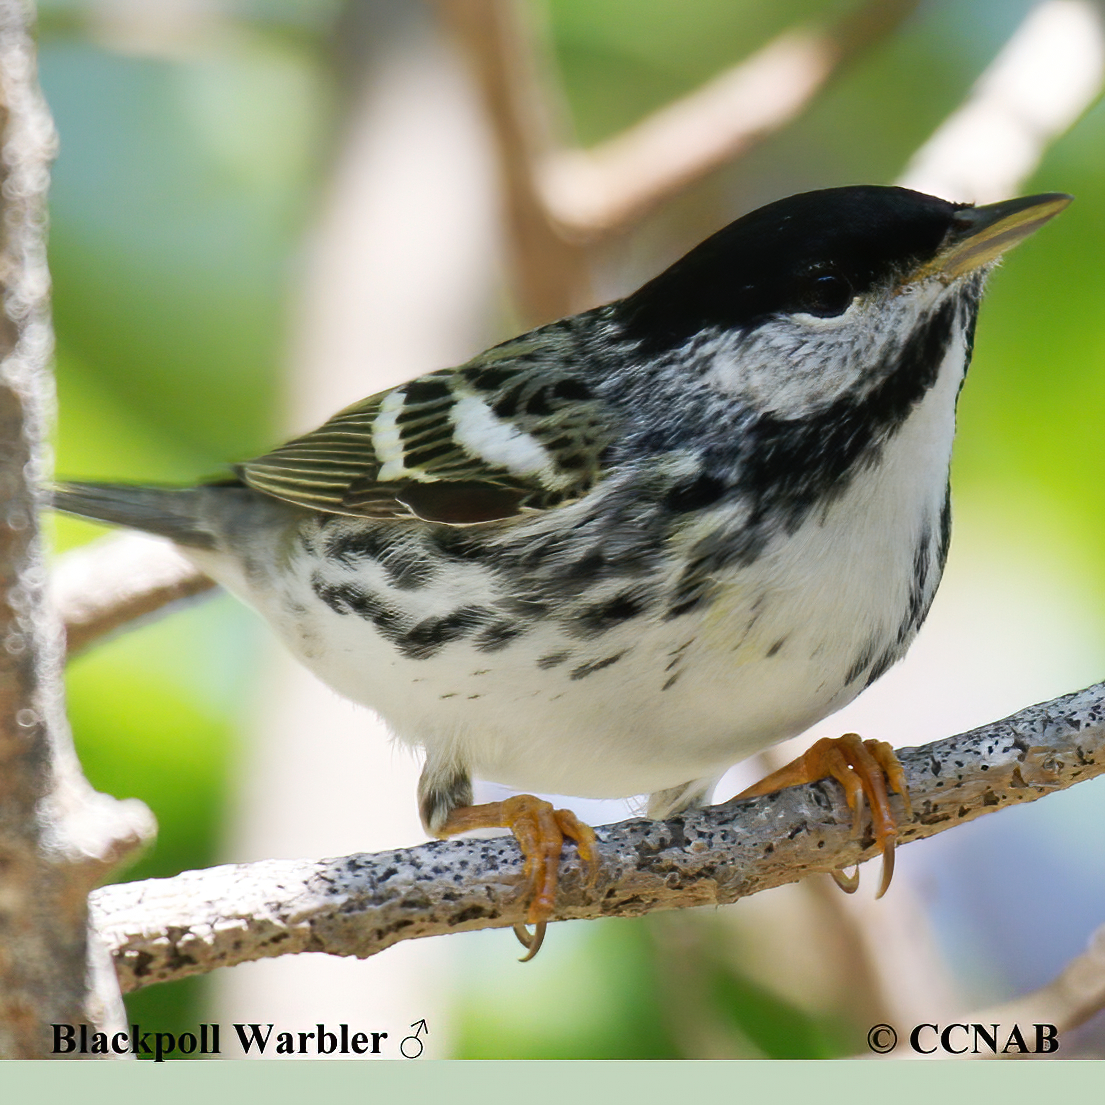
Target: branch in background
{"x":558,"y":202}
{"x":549,"y":274}
{"x":594,"y":193}
{"x":116,"y":582}
{"x":1043,"y":80}
{"x":57,"y":837}
{"x":359,"y":905}
{"x":1070,"y":1000}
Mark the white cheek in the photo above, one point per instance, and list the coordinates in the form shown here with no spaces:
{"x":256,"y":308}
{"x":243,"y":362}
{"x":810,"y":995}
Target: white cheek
{"x":791,"y":367}
{"x":796,"y":365}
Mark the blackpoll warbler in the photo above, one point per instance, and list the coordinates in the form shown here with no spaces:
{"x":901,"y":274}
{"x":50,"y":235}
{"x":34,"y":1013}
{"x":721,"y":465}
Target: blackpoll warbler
{"x":624,"y":551}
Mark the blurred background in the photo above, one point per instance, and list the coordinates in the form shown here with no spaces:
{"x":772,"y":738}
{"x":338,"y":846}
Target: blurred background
{"x":265,"y":209}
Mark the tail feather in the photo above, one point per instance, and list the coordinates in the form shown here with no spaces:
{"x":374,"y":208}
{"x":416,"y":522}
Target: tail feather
{"x":175,"y":513}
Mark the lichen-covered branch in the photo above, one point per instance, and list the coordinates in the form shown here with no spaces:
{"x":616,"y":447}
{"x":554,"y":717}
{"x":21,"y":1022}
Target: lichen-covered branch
{"x":359,"y":905}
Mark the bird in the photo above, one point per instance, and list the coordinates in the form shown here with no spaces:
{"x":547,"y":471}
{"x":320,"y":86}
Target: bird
{"x":628,"y":549}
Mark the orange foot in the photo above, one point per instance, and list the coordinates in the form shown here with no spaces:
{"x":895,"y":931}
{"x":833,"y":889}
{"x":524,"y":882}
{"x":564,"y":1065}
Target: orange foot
{"x":540,"y":831}
{"x":862,"y":768}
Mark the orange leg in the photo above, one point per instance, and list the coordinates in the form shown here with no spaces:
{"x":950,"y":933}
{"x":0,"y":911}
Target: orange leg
{"x":540,"y":831}
{"x":863,"y":769}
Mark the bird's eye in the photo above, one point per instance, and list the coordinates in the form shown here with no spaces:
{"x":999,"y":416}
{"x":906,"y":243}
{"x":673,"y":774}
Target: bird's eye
{"x":826,"y":295}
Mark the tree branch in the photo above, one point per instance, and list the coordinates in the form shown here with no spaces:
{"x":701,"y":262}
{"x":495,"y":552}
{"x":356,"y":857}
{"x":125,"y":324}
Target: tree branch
{"x":1041,"y":82}
{"x":560,"y":202}
{"x":359,"y":905}
{"x":57,"y":837}
{"x":117,"y":582}
{"x":605,"y":190}
{"x":549,"y":274}
{"x":1075,"y":995}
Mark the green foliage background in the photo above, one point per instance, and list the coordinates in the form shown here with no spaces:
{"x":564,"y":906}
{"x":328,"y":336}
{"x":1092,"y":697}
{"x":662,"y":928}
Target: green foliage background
{"x":181,"y":194}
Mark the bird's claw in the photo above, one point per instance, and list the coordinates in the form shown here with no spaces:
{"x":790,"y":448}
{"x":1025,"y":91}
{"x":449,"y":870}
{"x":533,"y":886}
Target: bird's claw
{"x":540,"y":831}
{"x":848,"y":883}
{"x":531,"y":941}
{"x":865,"y":769}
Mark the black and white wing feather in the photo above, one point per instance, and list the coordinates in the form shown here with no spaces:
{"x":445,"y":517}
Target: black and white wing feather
{"x":510,"y":432}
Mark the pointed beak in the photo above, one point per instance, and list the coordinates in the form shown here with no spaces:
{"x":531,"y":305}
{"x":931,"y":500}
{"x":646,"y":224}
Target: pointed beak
{"x":980,"y":235}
